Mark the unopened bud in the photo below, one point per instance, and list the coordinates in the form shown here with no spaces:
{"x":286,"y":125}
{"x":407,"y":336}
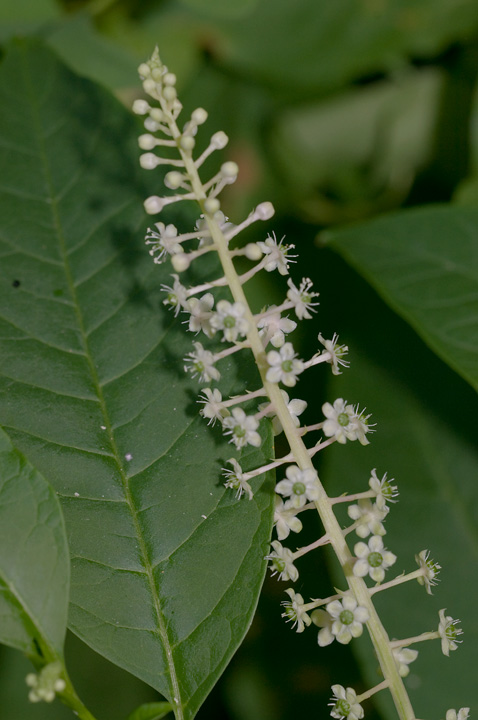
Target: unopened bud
{"x":148,"y":161}
{"x":253,"y":251}
{"x":180,"y":262}
{"x":153,"y":205}
{"x":173,"y":179}
{"x":219,"y":140}
{"x":187,"y":143}
{"x":140,"y":107}
{"x":212,"y":205}
{"x":146,"y":142}
{"x":264,"y":211}
{"x":199,"y":116}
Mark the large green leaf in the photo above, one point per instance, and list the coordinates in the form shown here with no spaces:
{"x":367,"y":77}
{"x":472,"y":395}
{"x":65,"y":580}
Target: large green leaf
{"x":425,"y":265}
{"x":166,"y":563}
{"x":309,"y":46}
{"x":426,"y":439}
{"x":34,"y":560}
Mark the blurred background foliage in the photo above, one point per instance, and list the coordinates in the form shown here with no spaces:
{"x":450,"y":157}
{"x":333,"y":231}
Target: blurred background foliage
{"x":337,"y":110}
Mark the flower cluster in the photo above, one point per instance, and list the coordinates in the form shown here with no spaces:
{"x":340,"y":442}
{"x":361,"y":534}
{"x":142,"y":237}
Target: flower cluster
{"x":45,"y":685}
{"x":217,"y":312}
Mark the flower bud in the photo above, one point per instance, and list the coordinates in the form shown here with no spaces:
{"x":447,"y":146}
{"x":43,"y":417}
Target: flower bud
{"x":199,"y":116}
{"x":219,"y":140}
{"x":173,"y":179}
{"x":146,"y":142}
{"x":148,"y":161}
{"x":153,"y":204}
{"x":187,"y":143}
{"x":140,"y":107}
{"x":264,"y":211}
{"x":212,"y":205}
{"x":180,"y":262}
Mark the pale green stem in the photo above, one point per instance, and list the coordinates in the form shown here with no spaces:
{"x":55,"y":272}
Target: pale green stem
{"x":300,"y":452}
{"x":368,"y":694}
{"x":397,"y":581}
{"x":434,"y":635}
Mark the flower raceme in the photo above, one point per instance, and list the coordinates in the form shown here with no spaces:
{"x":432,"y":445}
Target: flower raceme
{"x":218,"y":314}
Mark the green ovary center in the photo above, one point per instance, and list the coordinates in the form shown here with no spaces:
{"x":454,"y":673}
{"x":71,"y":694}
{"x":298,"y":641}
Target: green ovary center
{"x":343,"y":707}
{"x":375,"y":559}
{"x":346,"y":617}
{"x":279,"y":564}
{"x":287,"y":366}
{"x":199,"y":366}
{"x":298,"y":488}
{"x":343,"y":419}
{"x":239,"y":431}
{"x":229,"y":321}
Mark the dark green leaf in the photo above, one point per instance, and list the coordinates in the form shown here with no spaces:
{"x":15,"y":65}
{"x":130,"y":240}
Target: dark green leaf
{"x":424,"y":263}
{"x":166,"y":563}
{"x":34,"y":561}
{"x":151,"y":711}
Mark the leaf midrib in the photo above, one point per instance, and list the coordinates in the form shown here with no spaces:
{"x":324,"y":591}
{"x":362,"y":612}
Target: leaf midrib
{"x":161,"y":625}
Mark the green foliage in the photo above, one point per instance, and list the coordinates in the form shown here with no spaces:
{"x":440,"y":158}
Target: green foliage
{"x":34,"y":559}
{"x":425,"y":265}
{"x":151,"y":711}
{"x":94,"y":393}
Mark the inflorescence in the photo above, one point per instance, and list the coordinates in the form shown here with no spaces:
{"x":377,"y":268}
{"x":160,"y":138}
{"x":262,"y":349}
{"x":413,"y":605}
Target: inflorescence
{"x":228,"y":326}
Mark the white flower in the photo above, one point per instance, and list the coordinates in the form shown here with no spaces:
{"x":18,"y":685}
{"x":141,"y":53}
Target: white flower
{"x":276,"y":253}
{"x":163,"y":241}
{"x":284,"y":365}
{"x":369,"y":517}
{"x":463,"y":714}
{"x":373,"y":559}
{"x":448,"y":632}
{"x":200,"y":314}
{"x":403,"y":658}
{"x":213,"y":406}
{"x":383,"y":489}
{"x":347,"y":618}
{"x":322,"y":619}
{"x":274,"y":327}
{"x":177,"y":295}
{"x":430,"y":570}
{"x":285,"y":519}
{"x":294,"y":611}
{"x":344,"y":422}
{"x":344,"y":704}
{"x":202,"y":226}
{"x":282,"y":562}
{"x":302,"y":298}
{"x":242,"y":428}
{"x":295,"y":407}
{"x":335,"y":352}
{"x":229,"y":317}
{"x":46,"y":684}
{"x":236,"y":479}
{"x":300,"y":486}
{"x":201,"y":363}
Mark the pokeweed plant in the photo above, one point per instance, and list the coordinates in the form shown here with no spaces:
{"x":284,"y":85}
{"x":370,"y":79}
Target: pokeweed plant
{"x":343,"y":615}
{"x":131,"y":553}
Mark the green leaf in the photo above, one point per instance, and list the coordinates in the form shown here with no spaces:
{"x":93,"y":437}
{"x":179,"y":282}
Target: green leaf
{"x":151,"y":711}
{"x":315,"y":46}
{"x":424,"y":263}
{"x":166,"y":563}
{"x":34,"y":561}
{"x":23,"y":16}
{"x":426,"y":440}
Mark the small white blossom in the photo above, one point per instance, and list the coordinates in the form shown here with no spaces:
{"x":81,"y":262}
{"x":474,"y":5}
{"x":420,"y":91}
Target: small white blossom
{"x":274,"y":327}
{"x":294,"y":611}
{"x":335,"y":352}
{"x":344,"y":704}
{"x":345,"y":422}
{"x":302,"y":298}
{"x":284,"y":366}
{"x":300,"y":486}
{"x":201,"y":363}
{"x":347,"y":618}
{"x":163,"y":240}
{"x":430,"y":570}
{"x":324,"y":620}
{"x":403,"y":658}
{"x":295,"y":407}
{"x":46,"y":684}
{"x":383,"y":489}
{"x":282,"y":562}
{"x":177,"y":297}
{"x":463,"y":714}
{"x":276,"y":254}
{"x":285,"y":519}
{"x":213,"y":406}
{"x":448,"y":633}
{"x":202,"y":226}
{"x":229,"y":317}
{"x":373,"y":559}
{"x":369,"y":517}
{"x":242,"y":428}
{"x":200,"y":314}
{"x":236,"y":479}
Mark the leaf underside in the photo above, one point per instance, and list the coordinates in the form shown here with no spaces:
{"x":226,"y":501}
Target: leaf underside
{"x":166,"y":564}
